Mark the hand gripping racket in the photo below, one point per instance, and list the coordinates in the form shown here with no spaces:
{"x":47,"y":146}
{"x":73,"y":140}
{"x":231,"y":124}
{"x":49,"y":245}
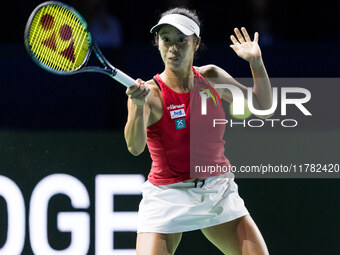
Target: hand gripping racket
{"x":58,"y":40}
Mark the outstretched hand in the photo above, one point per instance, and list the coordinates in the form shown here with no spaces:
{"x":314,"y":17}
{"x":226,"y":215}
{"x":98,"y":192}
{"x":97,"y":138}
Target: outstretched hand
{"x":244,"y":47}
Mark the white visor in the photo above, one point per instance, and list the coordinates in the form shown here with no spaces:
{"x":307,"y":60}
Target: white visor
{"x":184,"y":24}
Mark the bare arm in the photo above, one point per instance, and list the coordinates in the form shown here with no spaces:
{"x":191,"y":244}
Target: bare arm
{"x":250,"y":51}
{"x":138,"y":117}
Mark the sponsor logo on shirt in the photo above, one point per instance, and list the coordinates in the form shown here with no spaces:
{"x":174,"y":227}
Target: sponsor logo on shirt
{"x":177,"y":113}
{"x":205,"y":94}
{"x":172,"y":107}
{"x":180,"y":123}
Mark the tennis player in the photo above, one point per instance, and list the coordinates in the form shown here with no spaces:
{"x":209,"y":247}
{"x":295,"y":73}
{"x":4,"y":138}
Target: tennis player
{"x":159,"y":115}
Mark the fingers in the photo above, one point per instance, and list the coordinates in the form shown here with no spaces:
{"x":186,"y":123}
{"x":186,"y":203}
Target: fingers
{"x":233,"y":39}
{"x":139,"y":91}
{"x":256,"y":37}
{"x":241,"y":38}
{"x":238,"y":35}
{"x":245,"y":34}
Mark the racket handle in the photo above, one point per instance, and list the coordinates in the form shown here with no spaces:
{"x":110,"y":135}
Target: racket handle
{"x":124,"y":78}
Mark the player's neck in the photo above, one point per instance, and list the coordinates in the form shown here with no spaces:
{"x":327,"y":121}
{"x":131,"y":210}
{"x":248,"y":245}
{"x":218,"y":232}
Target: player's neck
{"x":179,"y":80}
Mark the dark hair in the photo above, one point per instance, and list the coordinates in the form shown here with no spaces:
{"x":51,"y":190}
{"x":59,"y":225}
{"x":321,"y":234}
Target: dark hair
{"x":191,"y":14}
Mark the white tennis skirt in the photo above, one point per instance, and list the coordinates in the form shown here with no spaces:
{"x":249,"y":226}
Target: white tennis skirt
{"x":181,"y":206}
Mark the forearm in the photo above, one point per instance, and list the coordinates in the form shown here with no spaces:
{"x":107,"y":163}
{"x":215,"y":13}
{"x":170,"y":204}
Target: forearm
{"x":135,"y":128}
{"x":262,"y":88}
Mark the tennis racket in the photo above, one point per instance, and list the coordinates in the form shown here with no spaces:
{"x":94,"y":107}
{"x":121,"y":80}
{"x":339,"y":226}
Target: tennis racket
{"x":58,"y":40}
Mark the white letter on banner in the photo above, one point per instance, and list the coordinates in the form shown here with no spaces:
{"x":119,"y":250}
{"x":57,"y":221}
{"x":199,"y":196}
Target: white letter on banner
{"x":108,"y":221}
{"x":16,"y":217}
{"x":78,"y":223}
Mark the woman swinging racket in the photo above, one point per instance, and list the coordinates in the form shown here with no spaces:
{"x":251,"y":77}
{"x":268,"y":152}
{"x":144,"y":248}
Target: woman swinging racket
{"x":159,"y":115}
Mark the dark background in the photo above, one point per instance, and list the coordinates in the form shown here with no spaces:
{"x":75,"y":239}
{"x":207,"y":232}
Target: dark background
{"x":74,"y":124}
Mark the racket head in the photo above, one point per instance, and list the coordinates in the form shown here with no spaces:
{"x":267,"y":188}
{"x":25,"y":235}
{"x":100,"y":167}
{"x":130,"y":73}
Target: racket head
{"x":57,"y":38}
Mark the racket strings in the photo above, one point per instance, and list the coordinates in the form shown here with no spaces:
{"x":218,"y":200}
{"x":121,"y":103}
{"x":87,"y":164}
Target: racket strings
{"x":81,"y":41}
{"x":58,"y":38}
{"x":36,"y":34}
{"x":57,"y":63}
{"x":48,"y":56}
{"x":41,"y":51}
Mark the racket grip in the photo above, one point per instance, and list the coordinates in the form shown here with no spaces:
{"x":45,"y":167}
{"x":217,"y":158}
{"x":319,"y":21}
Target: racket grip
{"x":124,"y":79}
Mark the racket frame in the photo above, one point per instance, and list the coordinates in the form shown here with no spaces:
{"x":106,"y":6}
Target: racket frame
{"x":28,"y":46}
{"x":108,"y":69}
